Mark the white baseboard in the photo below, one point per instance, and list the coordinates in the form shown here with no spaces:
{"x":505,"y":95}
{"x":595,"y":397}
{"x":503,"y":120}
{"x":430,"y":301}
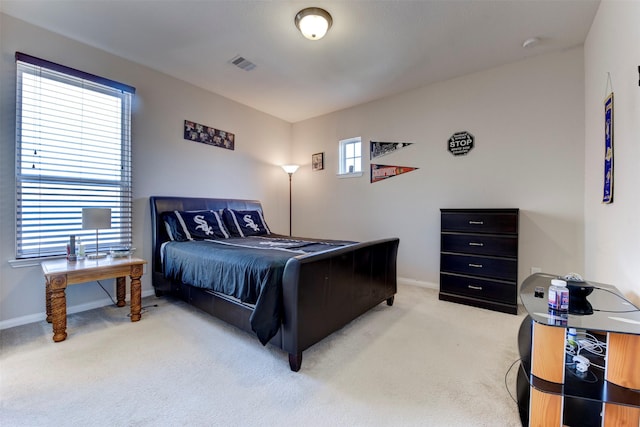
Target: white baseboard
{"x":413,"y":282}
{"x":37,"y":317}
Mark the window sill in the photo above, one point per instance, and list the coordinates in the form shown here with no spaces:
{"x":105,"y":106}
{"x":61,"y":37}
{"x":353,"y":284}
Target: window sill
{"x":350,"y":175}
{"x":30,"y":262}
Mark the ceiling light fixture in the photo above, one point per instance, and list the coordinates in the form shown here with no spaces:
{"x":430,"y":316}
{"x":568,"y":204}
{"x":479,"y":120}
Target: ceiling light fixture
{"x":313,"y":22}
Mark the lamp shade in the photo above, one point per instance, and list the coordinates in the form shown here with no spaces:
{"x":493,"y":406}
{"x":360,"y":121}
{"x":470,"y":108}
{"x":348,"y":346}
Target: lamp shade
{"x":313,"y":22}
{"x":96,"y":218}
{"x":290,"y":168}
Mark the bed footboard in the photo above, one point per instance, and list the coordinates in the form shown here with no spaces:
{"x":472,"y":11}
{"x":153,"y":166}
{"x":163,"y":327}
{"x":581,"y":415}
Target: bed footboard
{"x":324,"y":292}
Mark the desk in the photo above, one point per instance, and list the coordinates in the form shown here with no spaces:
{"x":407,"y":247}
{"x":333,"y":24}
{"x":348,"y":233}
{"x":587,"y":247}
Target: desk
{"x":60,"y":273}
{"x":550,"y":390}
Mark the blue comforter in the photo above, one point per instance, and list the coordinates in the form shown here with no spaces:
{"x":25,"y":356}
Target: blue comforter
{"x":249,"y":269}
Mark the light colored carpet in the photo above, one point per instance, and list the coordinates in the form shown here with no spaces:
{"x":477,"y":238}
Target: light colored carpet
{"x":422,"y":362}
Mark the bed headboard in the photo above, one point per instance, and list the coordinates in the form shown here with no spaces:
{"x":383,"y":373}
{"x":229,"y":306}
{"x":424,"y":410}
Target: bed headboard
{"x":160,"y":204}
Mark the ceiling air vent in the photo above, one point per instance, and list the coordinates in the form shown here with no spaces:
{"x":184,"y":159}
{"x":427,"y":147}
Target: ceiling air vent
{"x":243,"y":63}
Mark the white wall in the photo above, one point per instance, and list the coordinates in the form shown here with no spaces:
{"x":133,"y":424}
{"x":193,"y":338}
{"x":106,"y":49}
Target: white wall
{"x":163,"y":162}
{"x":527,"y":119}
{"x":528,"y":123}
{"x":612,"y":231}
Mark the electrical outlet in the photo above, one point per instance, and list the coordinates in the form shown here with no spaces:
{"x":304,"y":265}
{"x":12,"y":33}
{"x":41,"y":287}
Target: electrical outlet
{"x":535,"y":270}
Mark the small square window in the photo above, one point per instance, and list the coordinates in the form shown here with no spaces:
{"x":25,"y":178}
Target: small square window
{"x":350,"y":156}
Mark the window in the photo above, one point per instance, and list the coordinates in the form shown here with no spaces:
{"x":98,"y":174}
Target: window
{"x":73,"y":150}
{"x":350,"y":156}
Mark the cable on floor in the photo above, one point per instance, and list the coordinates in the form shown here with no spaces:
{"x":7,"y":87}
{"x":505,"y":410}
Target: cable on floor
{"x":505,"y":380}
{"x":142,"y":309}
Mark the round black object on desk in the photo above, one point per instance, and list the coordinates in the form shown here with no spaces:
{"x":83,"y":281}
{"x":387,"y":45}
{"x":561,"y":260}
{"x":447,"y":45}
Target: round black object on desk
{"x":578,"y":292}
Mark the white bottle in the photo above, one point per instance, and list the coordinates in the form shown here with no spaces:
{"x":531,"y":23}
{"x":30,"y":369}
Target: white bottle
{"x":572,"y":339}
{"x":80,"y":250}
{"x":558,"y":295}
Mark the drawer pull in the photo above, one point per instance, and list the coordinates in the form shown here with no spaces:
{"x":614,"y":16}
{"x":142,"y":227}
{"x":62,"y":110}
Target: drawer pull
{"x":475,"y":265}
{"x":476,"y":244}
{"x":477,"y":288}
{"x":476,"y":222}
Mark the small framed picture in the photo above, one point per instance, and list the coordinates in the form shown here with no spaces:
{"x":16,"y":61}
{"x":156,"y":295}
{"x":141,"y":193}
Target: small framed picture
{"x":317,"y":161}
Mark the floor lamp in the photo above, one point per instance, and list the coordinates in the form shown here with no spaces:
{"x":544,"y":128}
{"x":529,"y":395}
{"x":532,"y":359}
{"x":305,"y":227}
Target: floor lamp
{"x":290,"y":169}
{"x":96,"y":218}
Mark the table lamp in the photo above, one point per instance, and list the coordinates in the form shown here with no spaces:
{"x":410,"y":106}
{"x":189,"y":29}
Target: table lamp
{"x":96,"y":218}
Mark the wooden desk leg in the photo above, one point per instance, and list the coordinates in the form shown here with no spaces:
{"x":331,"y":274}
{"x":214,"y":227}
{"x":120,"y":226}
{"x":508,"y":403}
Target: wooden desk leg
{"x":58,"y":301}
{"x":121,"y":290}
{"x":48,"y":300}
{"x":136,"y":292}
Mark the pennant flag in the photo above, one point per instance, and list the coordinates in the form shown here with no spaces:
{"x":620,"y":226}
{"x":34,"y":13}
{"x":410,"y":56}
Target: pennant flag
{"x":379,"y":149}
{"x":380,"y":172}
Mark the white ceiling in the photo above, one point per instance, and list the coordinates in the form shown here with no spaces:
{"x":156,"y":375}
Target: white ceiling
{"x":374,"y":49}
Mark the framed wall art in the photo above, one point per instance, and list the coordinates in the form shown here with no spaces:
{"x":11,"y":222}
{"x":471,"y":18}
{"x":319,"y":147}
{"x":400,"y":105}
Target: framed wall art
{"x":207,"y":135}
{"x":317,"y":161}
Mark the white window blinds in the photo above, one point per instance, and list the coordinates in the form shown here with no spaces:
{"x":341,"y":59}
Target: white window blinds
{"x":73,"y":150}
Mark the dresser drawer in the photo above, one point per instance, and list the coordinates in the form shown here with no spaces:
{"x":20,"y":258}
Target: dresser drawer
{"x":480,"y":244}
{"x":497,"y":268}
{"x":478,"y":288}
{"x":480,"y":222}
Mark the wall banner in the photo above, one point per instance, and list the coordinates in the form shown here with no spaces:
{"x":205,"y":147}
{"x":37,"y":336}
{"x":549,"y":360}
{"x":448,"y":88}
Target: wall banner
{"x":379,"y":149}
{"x":608,"y":150}
{"x":207,"y":135}
{"x":380,"y":172}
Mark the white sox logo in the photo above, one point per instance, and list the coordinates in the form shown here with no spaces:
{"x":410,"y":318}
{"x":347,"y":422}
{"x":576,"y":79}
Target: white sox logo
{"x":249,"y":222}
{"x":199,"y":219}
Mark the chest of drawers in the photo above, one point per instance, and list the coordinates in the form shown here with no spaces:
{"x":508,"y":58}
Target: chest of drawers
{"x":479,"y":258}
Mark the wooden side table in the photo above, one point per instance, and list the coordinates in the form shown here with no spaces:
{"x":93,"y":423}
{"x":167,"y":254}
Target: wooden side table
{"x":60,"y":273}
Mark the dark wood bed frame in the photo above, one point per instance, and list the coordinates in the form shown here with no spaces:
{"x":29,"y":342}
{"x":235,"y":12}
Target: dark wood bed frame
{"x":321,"y":292}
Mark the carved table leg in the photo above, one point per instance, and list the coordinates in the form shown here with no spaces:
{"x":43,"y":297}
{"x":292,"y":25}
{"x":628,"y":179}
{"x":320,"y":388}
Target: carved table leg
{"x":136,"y":292}
{"x":58,"y":299}
{"x":121,"y":290}
{"x":48,"y":300}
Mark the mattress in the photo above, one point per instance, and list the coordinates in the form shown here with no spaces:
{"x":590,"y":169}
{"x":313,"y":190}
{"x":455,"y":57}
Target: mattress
{"x":249,"y":269}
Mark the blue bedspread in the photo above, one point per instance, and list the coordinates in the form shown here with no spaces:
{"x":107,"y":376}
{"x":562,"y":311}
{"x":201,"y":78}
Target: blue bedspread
{"x":249,"y":269}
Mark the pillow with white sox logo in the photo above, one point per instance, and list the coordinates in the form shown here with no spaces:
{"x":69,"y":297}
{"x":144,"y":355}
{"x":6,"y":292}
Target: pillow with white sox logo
{"x":245,"y":223}
{"x":202,"y":225}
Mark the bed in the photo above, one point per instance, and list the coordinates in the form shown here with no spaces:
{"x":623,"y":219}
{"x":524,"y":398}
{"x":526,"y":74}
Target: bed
{"x":314,"y":290}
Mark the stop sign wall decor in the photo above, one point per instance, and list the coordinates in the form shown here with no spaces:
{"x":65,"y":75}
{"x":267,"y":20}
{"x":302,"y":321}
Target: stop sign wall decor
{"x":460,"y":143}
